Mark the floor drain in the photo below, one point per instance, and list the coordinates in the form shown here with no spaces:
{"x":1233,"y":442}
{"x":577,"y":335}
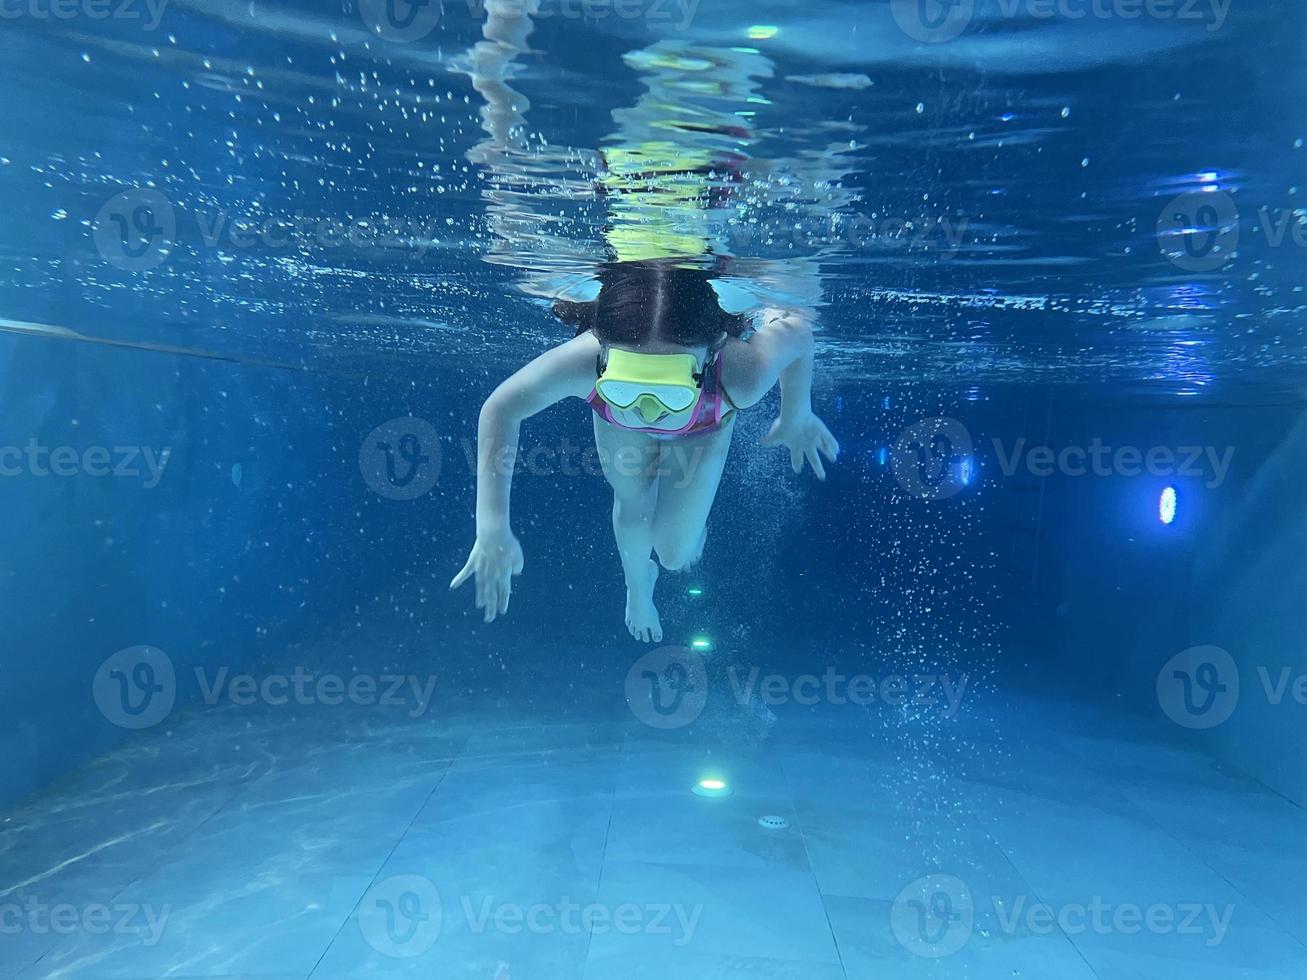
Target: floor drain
{"x":773,"y":822}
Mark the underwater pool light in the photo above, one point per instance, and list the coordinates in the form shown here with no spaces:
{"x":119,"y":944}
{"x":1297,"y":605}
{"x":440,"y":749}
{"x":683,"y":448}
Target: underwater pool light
{"x":966,"y":470}
{"x":694,"y":590}
{"x":1166,"y":506}
{"x":711,"y":787}
{"x":761,"y":32}
{"x":702,"y":644}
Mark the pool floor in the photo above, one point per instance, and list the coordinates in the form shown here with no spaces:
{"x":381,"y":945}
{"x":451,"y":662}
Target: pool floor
{"x":248,"y":842}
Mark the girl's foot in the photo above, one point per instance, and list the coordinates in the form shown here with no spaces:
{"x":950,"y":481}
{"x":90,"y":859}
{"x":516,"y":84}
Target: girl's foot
{"x":641,"y":616}
{"x":698,"y":551}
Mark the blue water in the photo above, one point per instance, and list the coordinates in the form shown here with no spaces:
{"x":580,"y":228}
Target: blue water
{"x":1017,"y":691}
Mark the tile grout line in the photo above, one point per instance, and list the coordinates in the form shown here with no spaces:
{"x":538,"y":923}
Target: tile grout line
{"x":382,"y":864}
{"x":608,"y":832}
{"x":980,"y":825}
{"x":237,"y":792}
{"x":803,"y":839}
{"x":1148,"y":816}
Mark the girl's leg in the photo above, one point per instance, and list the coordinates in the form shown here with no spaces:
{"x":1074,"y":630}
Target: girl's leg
{"x":630,"y":462}
{"x":689,"y":473}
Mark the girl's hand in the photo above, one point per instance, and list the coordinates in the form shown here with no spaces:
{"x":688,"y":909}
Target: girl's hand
{"x":495,"y":559}
{"x":805,"y":436}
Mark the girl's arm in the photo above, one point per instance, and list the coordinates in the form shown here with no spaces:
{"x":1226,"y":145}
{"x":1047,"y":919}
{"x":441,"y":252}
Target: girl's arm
{"x":567,"y":370}
{"x":781,"y":350}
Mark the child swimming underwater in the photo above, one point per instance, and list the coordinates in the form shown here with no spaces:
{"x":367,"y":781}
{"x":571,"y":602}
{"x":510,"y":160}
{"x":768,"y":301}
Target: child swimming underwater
{"x":663,"y":367}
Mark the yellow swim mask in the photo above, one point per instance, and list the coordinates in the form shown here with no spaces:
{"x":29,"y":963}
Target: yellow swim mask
{"x":652,"y":384}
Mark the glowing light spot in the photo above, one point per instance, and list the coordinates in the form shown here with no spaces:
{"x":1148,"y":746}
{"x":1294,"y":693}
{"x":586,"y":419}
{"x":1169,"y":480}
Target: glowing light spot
{"x":694,"y":590}
{"x":1166,"y":504}
{"x":761,"y":32}
{"x":711,"y":786}
{"x":701,"y":643}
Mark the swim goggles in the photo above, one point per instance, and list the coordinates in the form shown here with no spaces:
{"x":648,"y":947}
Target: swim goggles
{"x":652,"y":384}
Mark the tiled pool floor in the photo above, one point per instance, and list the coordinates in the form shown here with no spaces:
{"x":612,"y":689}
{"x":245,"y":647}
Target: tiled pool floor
{"x":249,"y":843}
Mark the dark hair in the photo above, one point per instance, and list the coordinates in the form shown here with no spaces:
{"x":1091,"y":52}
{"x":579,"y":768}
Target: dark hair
{"x":656,"y":299}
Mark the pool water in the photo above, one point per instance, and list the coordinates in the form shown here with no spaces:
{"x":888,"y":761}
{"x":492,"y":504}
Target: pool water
{"x":1017,"y":691}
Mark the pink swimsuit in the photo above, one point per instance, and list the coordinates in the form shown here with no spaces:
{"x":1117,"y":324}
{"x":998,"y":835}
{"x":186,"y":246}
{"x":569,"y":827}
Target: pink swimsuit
{"x":713,"y":407}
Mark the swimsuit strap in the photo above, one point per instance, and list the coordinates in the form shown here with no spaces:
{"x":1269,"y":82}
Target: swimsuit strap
{"x":715,"y":367}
